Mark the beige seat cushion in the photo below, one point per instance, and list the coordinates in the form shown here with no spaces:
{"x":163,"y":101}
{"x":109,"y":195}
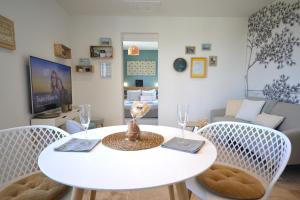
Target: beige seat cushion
{"x":233,"y":107}
{"x":267,"y":120}
{"x":231,"y":183}
{"x":33,"y":187}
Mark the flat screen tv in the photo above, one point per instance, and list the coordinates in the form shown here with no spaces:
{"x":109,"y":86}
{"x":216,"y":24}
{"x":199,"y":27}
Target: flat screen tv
{"x":51,"y":85}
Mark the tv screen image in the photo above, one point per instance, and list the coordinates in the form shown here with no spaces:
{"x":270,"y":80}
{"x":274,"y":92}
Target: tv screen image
{"x":51,"y":84}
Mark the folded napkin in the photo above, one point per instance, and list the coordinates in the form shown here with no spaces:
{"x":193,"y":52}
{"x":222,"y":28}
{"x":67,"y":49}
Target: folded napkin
{"x":186,"y":145}
{"x":78,"y":145}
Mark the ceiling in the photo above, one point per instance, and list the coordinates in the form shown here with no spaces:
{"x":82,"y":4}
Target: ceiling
{"x":143,"y":45}
{"x":188,"y":8}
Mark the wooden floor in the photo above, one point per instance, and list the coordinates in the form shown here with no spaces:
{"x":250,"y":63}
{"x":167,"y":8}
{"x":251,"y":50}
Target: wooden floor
{"x":287,"y":188}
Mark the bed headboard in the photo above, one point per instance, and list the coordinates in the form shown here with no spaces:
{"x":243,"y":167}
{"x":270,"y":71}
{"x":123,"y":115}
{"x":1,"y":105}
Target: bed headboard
{"x":140,"y":88}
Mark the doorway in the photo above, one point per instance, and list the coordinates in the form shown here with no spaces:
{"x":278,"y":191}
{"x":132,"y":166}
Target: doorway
{"x":140,"y":74}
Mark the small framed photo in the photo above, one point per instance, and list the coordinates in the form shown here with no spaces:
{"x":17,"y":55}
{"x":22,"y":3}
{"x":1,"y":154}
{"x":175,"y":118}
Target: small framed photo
{"x":190,"y":50}
{"x":105,"y":41}
{"x":206,"y":47}
{"x":213,"y":61}
{"x":84,"y":61}
{"x":199,"y":67}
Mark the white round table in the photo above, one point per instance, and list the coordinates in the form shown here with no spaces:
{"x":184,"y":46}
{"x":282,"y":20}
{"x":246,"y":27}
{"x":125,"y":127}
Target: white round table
{"x":107,"y":169}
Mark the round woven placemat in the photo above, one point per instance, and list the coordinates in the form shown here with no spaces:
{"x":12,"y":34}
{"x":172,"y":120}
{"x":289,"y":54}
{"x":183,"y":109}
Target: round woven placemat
{"x":147,"y":140}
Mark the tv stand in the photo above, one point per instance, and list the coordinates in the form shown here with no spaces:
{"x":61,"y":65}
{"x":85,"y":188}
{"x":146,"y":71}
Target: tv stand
{"x":47,"y":115}
{"x":57,"y":119}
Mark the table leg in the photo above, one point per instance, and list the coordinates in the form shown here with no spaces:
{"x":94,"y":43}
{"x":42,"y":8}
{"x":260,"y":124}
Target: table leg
{"x":182,"y":191}
{"x":93,"y":195}
{"x":171,"y":192}
{"x":190,"y":194}
{"x":77,"y":194}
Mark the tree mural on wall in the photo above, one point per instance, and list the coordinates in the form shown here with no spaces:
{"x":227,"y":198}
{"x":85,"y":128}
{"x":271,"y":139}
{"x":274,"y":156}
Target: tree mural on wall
{"x":281,"y":91}
{"x":266,"y":43}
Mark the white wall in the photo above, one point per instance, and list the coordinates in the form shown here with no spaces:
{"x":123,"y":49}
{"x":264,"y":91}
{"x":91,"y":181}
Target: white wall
{"x":38,"y":24}
{"x":228,"y":39}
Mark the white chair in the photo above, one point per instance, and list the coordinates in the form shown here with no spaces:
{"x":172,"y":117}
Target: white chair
{"x":20,"y":148}
{"x":262,"y":152}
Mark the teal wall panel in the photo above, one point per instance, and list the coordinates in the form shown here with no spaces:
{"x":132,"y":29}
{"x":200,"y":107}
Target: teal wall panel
{"x":145,"y":55}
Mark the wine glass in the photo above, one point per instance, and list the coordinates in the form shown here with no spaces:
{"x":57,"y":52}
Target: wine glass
{"x":85,"y":116}
{"x":182,"y":116}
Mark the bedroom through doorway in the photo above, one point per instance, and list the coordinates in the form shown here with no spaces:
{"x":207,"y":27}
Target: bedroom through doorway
{"x":140,"y":74}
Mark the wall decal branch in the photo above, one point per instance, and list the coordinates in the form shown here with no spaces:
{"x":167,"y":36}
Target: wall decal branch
{"x":270,"y":39}
{"x":280,"y":90}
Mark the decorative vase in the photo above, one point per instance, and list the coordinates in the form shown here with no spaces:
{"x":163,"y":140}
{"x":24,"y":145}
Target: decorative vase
{"x":133,"y":132}
{"x":138,"y":110}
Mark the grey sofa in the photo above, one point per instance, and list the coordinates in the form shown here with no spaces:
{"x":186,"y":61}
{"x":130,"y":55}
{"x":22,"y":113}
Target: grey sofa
{"x":290,"y":126}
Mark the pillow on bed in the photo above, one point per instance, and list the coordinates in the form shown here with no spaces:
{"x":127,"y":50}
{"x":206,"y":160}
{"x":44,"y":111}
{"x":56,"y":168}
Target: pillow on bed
{"x":149,"y":92}
{"x":133,"y":95}
{"x":148,"y":98}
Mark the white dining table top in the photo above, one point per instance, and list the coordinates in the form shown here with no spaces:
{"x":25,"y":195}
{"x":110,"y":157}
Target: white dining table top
{"x":104,"y":168}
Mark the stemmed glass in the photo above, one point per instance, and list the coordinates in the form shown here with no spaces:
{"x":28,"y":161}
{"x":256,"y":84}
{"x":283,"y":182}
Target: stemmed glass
{"x":85,"y":116}
{"x":182,"y":116}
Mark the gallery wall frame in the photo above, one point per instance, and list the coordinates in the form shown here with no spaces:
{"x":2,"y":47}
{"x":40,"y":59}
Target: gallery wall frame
{"x":198,"y":67}
{"x":180,"y":64}
{"x":213,"y":61}
{"x":105,"y":70}
{"x":206,"y":47}
{"x":7,"y":33}
{"x":105,"y":41}
{"x":190,"y":50}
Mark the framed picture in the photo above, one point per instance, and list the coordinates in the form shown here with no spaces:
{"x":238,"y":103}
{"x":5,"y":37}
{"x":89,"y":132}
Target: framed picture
{"x":104,"y":41}
{"x":105,"y":70}
{"x":101,"y":51}
{"x":7,"y":33}
{"x":84,"y":61}
{"x":190,"y":50}
{"x":213,"y":61}
{"x":198,"y":67}
{"x":206,"y":47}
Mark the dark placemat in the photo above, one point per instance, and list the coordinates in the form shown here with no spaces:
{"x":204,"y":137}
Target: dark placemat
{"x":147,"y":140}
{"x":186,"y":145}
{"x":78,"y":145}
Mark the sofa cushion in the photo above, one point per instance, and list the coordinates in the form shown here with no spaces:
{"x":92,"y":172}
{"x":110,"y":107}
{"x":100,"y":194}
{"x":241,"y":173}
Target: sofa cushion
{"x":249,"y":110}
{"x":232,"y":183}
{"x":291,"y":113}
{"x":268,"y":107}
{"x":267,"y":120}
{"x":233,"y":107}
{"x":228,"y":118}
{"x":33,"y":187}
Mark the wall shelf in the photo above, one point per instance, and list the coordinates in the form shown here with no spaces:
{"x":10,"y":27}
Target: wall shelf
{"x":84,"y":68}
{"x":62,"y":51}
{"x":102,"y":52}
